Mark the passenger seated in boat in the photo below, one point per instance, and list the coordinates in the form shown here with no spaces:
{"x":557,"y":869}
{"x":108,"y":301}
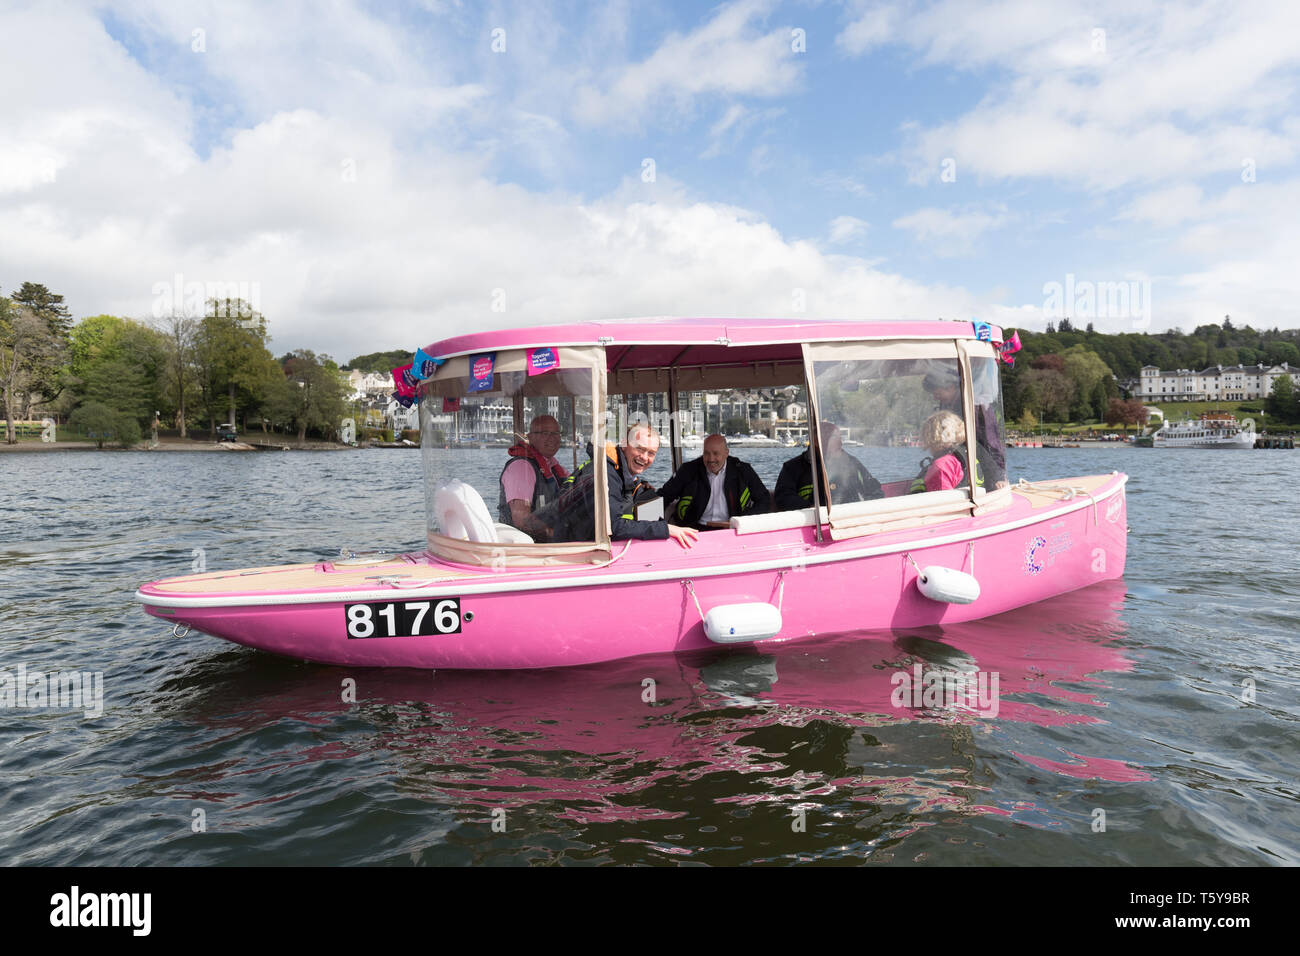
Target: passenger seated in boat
{"x":944,"y":386}
{"x":531,"y":480}
{"x":944,"y":436}
{"x":707,"y":492}
{"x":624,"y":466}
{"x":849,"y":478}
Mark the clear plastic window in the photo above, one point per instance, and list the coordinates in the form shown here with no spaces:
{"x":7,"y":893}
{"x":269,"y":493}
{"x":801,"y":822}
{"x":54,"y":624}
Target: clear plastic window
{"x":498,"y":460}
{"x":990,"y":424}
{"x":895,"y":427}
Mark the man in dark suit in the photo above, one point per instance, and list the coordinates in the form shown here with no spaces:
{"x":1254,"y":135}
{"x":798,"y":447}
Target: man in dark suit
{"x":713,"y":489}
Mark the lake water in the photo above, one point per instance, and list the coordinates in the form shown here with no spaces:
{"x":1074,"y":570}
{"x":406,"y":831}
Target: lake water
{"x":1165,"y":705}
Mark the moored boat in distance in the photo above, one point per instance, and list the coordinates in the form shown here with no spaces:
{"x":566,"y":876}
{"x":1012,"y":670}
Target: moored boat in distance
{"x":1209,"y":430}
{"x":862,"y":555}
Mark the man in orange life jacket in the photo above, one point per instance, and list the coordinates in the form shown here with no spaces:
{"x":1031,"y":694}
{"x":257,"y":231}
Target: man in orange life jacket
{"x":638,"y":454}
{"x":531,"y":479}
{"x":624,"y":466}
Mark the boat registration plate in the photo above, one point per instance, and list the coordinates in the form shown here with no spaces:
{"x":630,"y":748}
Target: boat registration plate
{"x":403,"y":618}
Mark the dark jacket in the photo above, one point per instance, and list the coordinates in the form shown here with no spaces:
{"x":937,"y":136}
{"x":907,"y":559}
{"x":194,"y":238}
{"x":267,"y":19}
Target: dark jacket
{"x":689,"y":490}
{"x":576,"y":517}
{"x":850,"y":481}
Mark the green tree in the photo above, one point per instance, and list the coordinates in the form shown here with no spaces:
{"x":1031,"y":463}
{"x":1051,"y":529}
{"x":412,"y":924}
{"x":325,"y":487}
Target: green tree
{"x":48,"y":377}
{"x":1277,"y":353}
{"x":230,"y":358}
{"x":266,"y":394}
{"x":120,"y":385}
{"x":1281,"y":401}
{"x":120,"y":363}
{"x":1051,"y":393}
{"x":47,"y":306}
{"x":28,"y":350}
{"x":380,"y":361}
{"x":1090,"y":377}
{"x":103,"y":424}
{"x":87,"y":341}
{"x":179,"y":333}
{"x":312,"y":394}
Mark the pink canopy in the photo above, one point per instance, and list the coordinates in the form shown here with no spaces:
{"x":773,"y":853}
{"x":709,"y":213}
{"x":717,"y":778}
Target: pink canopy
{"x":666,"y":342}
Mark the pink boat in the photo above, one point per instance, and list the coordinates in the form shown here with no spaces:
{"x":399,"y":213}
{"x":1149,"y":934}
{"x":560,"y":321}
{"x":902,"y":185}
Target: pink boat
{"x":882,"y":552}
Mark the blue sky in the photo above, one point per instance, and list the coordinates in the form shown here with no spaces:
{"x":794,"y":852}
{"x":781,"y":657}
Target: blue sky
{"x":383,"y":175}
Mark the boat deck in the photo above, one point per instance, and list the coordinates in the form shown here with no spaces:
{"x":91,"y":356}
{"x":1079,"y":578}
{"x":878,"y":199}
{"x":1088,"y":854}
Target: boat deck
{"x":402,"y":571}
{"x":322,"y":575}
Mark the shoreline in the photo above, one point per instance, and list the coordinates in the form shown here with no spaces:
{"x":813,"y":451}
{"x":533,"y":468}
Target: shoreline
{"x":168,"y":445}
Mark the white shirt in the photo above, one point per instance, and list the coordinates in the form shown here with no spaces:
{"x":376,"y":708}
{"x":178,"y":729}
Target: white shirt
{"x":717,"y":509}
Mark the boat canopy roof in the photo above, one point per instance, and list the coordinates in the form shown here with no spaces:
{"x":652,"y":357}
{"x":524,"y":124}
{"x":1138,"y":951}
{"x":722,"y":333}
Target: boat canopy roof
{"x":666,"y":342}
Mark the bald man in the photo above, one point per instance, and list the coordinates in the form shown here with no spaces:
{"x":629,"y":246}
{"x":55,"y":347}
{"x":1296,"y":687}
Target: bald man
{"x":531,"y":479}
{"x":710,"y":491}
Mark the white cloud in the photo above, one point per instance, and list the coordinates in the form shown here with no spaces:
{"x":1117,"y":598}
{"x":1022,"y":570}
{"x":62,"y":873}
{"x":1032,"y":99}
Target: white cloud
{"x":1165,"y":92}
{"x":873,"y":27}
{"x":840,"y":183}
{"x":949,"y":233}
{"x":1165,"y":207}
{"x":845,"y":229}
{"x":338,"y":58}
{"x":727,"y":56}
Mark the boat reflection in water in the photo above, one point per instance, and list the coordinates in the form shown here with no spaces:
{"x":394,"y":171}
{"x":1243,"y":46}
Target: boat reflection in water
{"x":695,"y":750}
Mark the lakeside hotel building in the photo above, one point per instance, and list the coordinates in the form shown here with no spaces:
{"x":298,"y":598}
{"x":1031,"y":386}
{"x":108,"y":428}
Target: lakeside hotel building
{"x":1236,"y":383}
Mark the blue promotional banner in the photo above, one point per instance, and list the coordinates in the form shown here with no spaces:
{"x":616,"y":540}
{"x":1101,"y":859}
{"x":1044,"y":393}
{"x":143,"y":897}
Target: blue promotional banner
{"x":983,"y":331}
{"x":480,"y":371}
{"x":423,"y":365}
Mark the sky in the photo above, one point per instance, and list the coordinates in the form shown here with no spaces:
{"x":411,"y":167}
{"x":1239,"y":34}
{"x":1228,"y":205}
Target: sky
{"x":384,"y":175}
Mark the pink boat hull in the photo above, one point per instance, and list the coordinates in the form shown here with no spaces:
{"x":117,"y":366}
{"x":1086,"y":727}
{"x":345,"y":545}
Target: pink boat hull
{"x":640,"y":603}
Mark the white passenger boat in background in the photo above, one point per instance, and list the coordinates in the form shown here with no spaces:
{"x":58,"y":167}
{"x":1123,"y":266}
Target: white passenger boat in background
{"x":1210,"y":430}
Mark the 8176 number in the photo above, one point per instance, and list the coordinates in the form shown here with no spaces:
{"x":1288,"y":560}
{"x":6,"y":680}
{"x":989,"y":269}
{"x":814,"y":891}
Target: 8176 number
{"x":403,"y":618}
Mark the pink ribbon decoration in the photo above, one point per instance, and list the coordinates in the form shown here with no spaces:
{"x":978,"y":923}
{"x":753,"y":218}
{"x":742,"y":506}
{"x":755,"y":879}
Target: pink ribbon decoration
{"x":1009,"y":348}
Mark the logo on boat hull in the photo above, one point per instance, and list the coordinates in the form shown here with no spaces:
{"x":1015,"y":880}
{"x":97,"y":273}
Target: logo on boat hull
{"x":1114,"y":508}
{"x":1032,"y":564}
{"x":1041,"y":552}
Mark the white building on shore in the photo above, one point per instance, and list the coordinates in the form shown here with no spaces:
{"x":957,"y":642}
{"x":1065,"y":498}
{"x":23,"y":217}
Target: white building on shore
{"x":368,"y":385}
{"x":1234,"y":383}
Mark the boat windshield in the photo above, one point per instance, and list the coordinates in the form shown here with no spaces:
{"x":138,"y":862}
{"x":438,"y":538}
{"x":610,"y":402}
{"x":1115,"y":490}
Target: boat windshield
{"x":501,"y":435}
{"x":899,"y":421}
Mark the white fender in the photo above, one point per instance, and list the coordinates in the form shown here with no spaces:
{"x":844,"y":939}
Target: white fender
{"x":947,"y":585}
{"x":461,"y":513}
{"x":739,"y":623}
